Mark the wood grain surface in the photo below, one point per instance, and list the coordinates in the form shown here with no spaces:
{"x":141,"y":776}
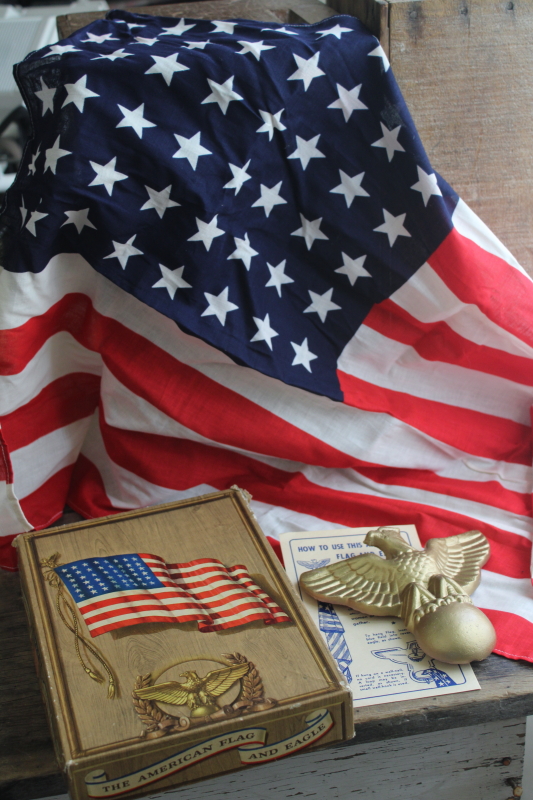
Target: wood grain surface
{"x":26,"y":750}
{"x":93,"y":731}
{"x":295,"y":11}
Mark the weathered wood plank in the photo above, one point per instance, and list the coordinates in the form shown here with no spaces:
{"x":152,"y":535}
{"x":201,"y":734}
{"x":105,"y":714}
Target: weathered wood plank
{"x":308,"y":11}
{"x":477,"y":763}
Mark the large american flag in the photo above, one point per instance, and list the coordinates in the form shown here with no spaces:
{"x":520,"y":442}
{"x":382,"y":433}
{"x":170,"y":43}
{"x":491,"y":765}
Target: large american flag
{"x":129,"y":589}
{"x":228,"y":260}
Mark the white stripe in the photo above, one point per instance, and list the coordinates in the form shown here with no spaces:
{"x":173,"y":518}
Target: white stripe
{"x":35,"y":463}
{"x":118,"y":481}
{"x":122,"y":594}
{"x":372,"y":436}
{"x":468,"y":224}
{"x":255,"y":612}
{"x":500,"y":593}
{"x":168,"y":605}
{"x":125,"y":410}
{"x":426,"y":297}
{"x":12,"y":520}
{"x":59,"y":356}
{"x":381,"y":361}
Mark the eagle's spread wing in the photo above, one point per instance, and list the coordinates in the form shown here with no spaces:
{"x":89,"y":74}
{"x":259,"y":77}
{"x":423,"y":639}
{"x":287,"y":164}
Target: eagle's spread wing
{"x":367,"y":582}
{"x":219,"y":681}
{"x":461,"y":557}
{"x":171,"y":692}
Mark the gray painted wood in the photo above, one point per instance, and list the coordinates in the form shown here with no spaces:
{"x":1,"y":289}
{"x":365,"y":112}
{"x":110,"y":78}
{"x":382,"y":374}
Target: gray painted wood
{"x":479,"y":762}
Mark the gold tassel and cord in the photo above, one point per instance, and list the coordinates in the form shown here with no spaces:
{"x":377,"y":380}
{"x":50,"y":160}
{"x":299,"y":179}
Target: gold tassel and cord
{"x":63,"y":604}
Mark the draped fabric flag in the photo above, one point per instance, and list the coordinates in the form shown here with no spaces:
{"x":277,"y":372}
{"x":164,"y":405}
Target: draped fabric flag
{"x":125,"y":590}
{"x":227,"y":260}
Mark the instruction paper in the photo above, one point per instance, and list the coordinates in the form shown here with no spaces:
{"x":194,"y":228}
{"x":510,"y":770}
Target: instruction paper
{"x":379,"y":658}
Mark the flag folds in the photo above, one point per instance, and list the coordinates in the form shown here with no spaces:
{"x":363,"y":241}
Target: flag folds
{"x":130,"y":589}
{"x":227,"y":260}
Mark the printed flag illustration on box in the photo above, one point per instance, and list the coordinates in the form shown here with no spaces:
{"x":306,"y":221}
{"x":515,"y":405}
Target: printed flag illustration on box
{"x":129,"y":589}
{"x":228,"y":260}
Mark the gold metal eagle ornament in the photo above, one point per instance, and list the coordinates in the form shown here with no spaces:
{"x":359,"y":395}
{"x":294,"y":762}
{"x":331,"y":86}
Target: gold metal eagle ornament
{"x":429,"y":589}
{"x":199,"y":694}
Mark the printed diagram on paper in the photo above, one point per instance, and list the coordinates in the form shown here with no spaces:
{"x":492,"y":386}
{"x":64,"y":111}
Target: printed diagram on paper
{"x":379,"y":658}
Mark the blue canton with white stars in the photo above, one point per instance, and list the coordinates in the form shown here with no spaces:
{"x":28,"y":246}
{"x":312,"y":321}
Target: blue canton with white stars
{"x":262,"y":185}
{"x":92,"y":577}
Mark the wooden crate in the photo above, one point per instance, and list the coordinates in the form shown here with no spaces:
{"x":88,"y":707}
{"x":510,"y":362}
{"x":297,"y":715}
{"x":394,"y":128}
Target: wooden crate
{"x":466,"y":71}
{"x":289,"y":699}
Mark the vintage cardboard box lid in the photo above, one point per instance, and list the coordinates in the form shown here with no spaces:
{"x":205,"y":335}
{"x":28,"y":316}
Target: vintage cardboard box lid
{"x":291,"y":662}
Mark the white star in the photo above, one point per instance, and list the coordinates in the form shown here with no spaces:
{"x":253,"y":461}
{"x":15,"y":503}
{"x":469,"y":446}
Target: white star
{"x":53,"y":154}
{"x":104,"y":37}
{"x":271,"y":121}
{"x":222,"y":93}
{"x":131,"y":25}
{"x":389,"y":141}
{"x":177,"y":30}
{"x":310,"y":231}
{"x":379,"y":52}
{"x":281,"y":30}
{"x":240,"y":176}
{"x":46,"y":95}
{"x":244,"y":251}
{"x":306,"y":150}
{"x":207,"y":231}
{"x":426,"y":185}
{"x":308,"y":69}
{"x":350,"y":187}
{"x":78,"y":93}
{"x":277,"y":276}
{"x":106,"y":175}
{"x":166,"y":66}
{"x":393,"y":226}
{"x":159,"y":201}
{"x":124,"y":251}
{"x":221,"y":26}
{"x":255,"y":48}
{"x":134,"y":119}
{"x":264,"y":332}
{"x":269,"y":198}
{"x":353,"y":268}
{"x":59,"y":49}
{"x":219,"y":305}
{"x":336,"y":31}
{"x":79,"y":218}
{"x":33,"y":166}
{"x":191,"y":149}
{"x":146,"y":41}
{"x":303,"y":355}
{"x":197,"y":45}
{"x":171,"y":280}
{"x":348,"y":101}
{"x":321,"y":304}
{"x":114,"y":55}
{"x":34,"y":217}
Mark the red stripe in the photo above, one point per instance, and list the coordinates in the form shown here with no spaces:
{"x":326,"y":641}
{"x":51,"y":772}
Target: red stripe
{"x":478,"y":277}
{"x":221,"y":415}
{"x":108,"y":602}
{"x":178,"y":464}
{"x":459,"y":427}
{"x":126,"y":623}
{"x":133,"y":620}
{"x":45,"y":505}
{"x":87,"y":494}
{"x":514,"y":634}
{"x":438,"y":342}
{"x":8,"y":554}
{"x":62,"y":402}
